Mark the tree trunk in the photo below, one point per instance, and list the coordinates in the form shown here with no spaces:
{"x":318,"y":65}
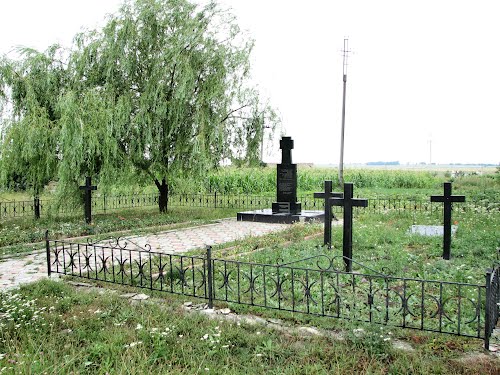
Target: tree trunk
{"x":163,"y":189}
{"x":36,"y":204}
{"x":36,"y":207}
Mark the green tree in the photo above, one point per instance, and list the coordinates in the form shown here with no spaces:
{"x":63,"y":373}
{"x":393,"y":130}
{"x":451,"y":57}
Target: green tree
{"x":161,"y":91}
{"x":174,"y":77}
{"x":29,"y":92}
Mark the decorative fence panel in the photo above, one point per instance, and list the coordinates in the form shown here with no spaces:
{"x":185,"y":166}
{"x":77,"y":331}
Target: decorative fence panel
{"x":311,"y":286}
{"x":436,"y":306}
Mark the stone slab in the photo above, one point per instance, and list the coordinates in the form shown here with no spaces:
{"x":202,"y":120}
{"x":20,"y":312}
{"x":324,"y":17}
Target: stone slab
{"x":431,"y":230}
{"x":267,"y":216}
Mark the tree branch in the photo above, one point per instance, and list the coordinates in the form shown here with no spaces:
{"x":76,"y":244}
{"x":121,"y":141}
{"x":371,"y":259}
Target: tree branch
{"x":142,"y":165}
{"x":171,"y":86}
{"x":234,"y":110}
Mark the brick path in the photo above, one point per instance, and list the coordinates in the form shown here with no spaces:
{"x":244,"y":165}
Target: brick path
{"x":16,"y":271}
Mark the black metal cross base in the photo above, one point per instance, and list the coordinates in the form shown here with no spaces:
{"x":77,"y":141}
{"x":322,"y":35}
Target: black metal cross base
{"x":348,"y":203}
{"x":88,"y":198}
{"x":448,"y":200}
{"x":326,"y":195}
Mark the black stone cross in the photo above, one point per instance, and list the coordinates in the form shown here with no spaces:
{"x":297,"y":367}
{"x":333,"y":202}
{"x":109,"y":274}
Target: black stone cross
{"x":88,"y":199}
{"x":286,"y":144}
{"x":448,"y":200}
{"x":348,"y":203}
{"x":326,"y":195}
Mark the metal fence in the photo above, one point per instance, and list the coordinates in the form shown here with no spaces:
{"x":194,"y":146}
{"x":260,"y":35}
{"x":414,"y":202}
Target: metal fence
{"x":100,"y":203}
{"x":108,"y":203}
{"x":492,"y":302}
{"x":312,"y":285}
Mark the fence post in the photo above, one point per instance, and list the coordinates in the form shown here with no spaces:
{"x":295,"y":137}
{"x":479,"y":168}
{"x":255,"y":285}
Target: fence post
{"x":215,"y":199}
{"x":210,"y":277}
{"x":47,"y":249}
{"x":104,"y":202}
{"x":487,"y":312}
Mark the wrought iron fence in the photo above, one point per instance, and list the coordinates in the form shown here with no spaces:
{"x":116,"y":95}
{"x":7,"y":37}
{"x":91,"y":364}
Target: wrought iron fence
{"x":100,"y":203}
{"x":107,"y":203}
{"x":314,"y":285}
{"x":216,"y":200}
{"x":402,"y":204}
{"x":18,"y":208}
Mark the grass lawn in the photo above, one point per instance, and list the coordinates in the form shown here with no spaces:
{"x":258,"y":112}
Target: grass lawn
{"x":51,"y":327}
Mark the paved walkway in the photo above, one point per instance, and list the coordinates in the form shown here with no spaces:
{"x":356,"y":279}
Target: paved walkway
{"x":16,"y":271}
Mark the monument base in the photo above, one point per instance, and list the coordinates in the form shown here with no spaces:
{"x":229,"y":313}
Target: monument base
{"x":267,"y":216}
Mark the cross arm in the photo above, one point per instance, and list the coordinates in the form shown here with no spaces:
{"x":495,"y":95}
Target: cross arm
{"x":360,"y":202}
{"x":451,"y":198}
{"x":437,"y":198}
{"x":330,"y":195}
{"x":88,"y":187}
{"x":336,"y":201}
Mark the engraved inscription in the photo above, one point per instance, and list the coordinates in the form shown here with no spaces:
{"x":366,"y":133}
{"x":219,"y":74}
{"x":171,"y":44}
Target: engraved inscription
{"x":284,"y":207}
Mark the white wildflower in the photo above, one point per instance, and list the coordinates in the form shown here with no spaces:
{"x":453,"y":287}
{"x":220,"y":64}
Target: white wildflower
{"x":132,"y":344}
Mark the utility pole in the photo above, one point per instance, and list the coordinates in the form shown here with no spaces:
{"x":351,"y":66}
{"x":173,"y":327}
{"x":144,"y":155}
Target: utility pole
{"x":344,"y":73}
{"x":430,"y":151}
{"x":430,"y":148}
{"x":264,"y":127}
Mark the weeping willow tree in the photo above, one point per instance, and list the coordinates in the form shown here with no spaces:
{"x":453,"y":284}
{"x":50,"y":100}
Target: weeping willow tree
{"x":29,"y":93}
{"x":174,"y":78}
{"x":160,"y":92}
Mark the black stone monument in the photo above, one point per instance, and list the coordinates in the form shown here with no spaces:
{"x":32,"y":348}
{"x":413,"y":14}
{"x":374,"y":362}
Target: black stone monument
{"x":286,"y":181}
{"x":286,"y":209}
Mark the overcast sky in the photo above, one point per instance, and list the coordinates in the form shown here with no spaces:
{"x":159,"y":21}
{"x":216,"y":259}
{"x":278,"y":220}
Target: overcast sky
{"x":420,"y":71}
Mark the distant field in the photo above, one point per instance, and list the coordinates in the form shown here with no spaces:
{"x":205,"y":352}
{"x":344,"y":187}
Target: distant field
{"x":419,"y":167}
{"x":375,"y":180}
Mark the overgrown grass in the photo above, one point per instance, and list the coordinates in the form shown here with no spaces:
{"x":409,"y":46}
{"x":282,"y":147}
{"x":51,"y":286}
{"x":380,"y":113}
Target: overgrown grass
{"x":262,"y":181}
{"x":259,"y":180}
{"x":50,"y":327}
{"x":383,"y":242}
